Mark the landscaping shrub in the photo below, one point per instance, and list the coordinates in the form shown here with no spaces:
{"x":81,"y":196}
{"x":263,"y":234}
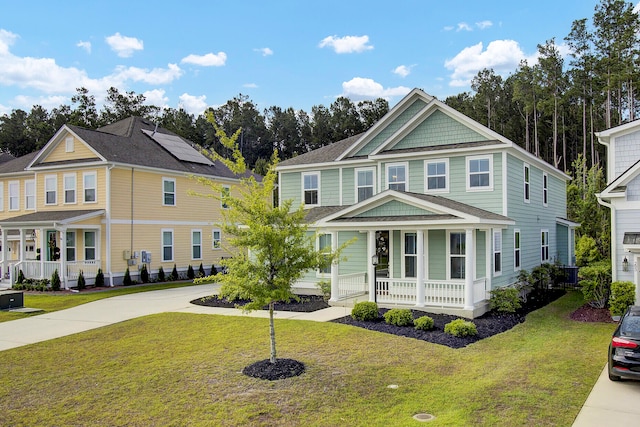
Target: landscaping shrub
{"x":596,"y":283}
{"x":20,"y":278}
{"x":325,"y":288}
{"x":213,"y":271}
{"x":365,"y":311}
{"x":55,"y":280}
{"x":201,"y":272}
{"x":505,"y":300}
{"x":204,"y":280}
{"x":623,"y":294}
{"x":460,"y":328}
{"x":587,"y":251}
{"x":174,"y":273}
{"x":423,"y":323}
{"x":399,"y":317}
{"x":127,"y":278}
{"x":161,"y":277}
{"x":144,"y":274}
{"x":82,"y":284}
{"x":99,"y":278}
{"x":190,"y":273}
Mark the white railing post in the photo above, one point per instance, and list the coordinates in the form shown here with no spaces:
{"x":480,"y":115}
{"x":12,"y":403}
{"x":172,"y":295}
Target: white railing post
{"x":468,"y":268}
{"x":335,"y":281}
{"x":371,"y":269}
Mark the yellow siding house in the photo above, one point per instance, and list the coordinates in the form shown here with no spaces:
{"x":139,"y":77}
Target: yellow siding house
{"x":111,"y":199}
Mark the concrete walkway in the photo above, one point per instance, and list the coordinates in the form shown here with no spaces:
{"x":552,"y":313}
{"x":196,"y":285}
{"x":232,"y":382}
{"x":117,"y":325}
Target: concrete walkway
{"x":108,"y":311}
{"x":609,"y":403}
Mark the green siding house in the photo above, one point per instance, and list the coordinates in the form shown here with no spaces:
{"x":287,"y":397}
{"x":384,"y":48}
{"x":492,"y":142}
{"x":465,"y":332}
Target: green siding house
{"x":443,"y":210}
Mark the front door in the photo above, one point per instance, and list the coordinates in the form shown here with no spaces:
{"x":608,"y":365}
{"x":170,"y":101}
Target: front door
{"x":53,"y":249}
{"x":382,"y":250}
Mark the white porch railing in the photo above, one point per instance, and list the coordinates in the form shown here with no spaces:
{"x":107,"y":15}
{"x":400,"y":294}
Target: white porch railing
{"x":89,"y":269}
{"x":439,"y":293}
{"x":350,"y":285}
{"x":35,"y":269}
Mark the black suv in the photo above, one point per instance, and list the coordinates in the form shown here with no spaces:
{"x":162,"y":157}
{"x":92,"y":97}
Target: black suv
{"x":624,"y":350}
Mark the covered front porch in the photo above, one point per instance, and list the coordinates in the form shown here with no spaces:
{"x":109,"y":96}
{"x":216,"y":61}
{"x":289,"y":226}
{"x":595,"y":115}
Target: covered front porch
{"x":40,"y":243}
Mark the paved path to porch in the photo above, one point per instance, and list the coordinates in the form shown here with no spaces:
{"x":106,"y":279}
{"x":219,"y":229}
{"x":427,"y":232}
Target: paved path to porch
{"x":108,"y":311}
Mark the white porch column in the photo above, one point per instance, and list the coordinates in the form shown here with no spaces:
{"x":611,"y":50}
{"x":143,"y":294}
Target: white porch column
{"x":335,"y":272}
{"x":5,"y":253}
{"x":488,"y":249}
{"x":420,"y":269}
{"x":21,"y":252}
{"x":469,"y":273}
{"x":371,"y":269}
{"x":63,"y":258}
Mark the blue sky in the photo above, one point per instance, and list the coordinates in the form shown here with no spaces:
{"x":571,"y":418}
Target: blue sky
{"x":285,"y":53}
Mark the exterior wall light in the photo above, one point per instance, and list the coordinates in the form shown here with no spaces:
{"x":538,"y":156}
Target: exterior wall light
{"x":625,"y":264}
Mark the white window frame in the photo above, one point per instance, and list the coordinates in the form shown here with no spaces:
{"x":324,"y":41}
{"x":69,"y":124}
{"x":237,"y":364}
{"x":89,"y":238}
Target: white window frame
{"x":14,"y":195}
{"x":195,"y":245}
{"x":497,"y":252}
{"x":445,"y":175}
{"x":68,"y":142}
{"x":163,"y":245}
{"x":225,"y":192}
{"x":49,"y":182}
{"x":544,"y":245}
{"x":165,"y":193}
{"x":358,"y":186}
{"x":69,"y":190}
{"x":317,"y":189}
{"x":94,"y":247}
{"x":517,"y":250}
{"x":451,"y":255}
{"x":488,"y":187}
{"x":526,"y":177}
{"x":216,"y":239}
{"x":406,"y":254}
{"x":320,"y":272}
{"x":545,"y":189}
{"x":71,"y":248}
{"x":86,"y":187}
{"x":1,"y":198}
{"x":405,"y":166}
{"x":30,"y":194}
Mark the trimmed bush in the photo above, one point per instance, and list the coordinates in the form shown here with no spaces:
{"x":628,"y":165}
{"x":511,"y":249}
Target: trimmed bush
{"x":325,"y":288}
{"x":190,"y":273}
{"x":623,"y":294}
{"x":365,"y":311}
{"x":596,"y":283}
{"x":174,"y":273}
{"x":201,"y":272}
{"x":144,"y":274}
{"x":99,"y":278}
{"x":55,"y":280}
{"x":127,"y":278}
{"x":423,"y":323}
{"x":460,"y":328}
{"x":505,"y":300}
{"x":204,"y":280}
{"x":213,"y":271}
{"x":82,"y":284}
{"x":399,"y":317}
{"x":161,"y":277}
{"x":20,"y":278}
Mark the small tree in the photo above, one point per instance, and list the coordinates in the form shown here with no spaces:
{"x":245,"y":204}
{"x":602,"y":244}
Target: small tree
{"x":201,"y":272}
{"x":20,"y":278}
{"x":190,"y":273}
{"x":127,"y":278}
{"x":596,"y":283}
{"x":144,"y":274}
{"x":99,"y":278}
{"x":82,"y":284}
{"x":55,"y":280}
{"x":282,"y":249}
{"x":161,"y":277}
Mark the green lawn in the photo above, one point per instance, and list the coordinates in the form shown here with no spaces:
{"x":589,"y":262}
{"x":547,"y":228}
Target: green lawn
{"x":49,"y":302}
{"x":181,"y":369}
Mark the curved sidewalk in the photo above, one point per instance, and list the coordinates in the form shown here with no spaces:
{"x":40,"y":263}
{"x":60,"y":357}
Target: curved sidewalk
{"x":46,"y":326}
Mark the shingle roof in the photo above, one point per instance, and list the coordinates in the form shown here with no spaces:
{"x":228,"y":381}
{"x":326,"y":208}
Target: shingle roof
{"x":328,"y":153}
{"x":17,"y":164}
{"x":52,"y":216}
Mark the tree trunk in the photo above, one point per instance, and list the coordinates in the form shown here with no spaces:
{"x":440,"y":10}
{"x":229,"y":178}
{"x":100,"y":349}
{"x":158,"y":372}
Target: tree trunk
{"x":272,"y":334}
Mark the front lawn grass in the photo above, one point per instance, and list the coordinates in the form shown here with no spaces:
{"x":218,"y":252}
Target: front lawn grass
{"x":49,"y":302}
{"x":184,"y":369}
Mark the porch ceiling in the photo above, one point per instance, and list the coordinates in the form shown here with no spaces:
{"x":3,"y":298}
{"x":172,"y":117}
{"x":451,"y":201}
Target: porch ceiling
{"x":50,"y":218}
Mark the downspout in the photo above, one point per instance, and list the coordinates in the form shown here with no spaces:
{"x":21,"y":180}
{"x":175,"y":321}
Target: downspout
{"x":108,"y":224}
{"x":131,"y":233}
{"x":614,"y":241}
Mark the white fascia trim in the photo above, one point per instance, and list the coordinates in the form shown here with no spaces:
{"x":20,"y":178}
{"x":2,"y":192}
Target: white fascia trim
{"x":162,"y":222}
{"x":426,"y":155}
{"x":320,"y":166}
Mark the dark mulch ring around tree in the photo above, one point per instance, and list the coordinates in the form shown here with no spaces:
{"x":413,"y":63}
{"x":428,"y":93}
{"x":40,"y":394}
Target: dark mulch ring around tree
{"x":586,"y":313}
{"x":281,"y":369}
{"x":306,"y":304}
{"x":489,"y":324}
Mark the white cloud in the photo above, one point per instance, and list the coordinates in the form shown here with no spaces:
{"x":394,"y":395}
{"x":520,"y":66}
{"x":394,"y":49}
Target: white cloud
{"x":360,"y":88}
{"x":347,"y":44}
{"x":208,"y":60}
{"x":463,"y":26}
{"x":483,"y":25}
{"x":193,"y":104}
{"x":156,"y":97}
{"x":155,"y":76}
{"x":402,"y":70}
{"x":503,"y":56}
{"x":84,"y":45}
{"x":265,"y":51}
{"x":124,"y":46}
{"x":250,"y":85}
{"x":48,"y":102}
{"x":7,"y":39}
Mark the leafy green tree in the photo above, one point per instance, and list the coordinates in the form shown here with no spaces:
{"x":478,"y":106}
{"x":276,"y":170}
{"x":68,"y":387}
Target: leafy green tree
{"x":85,"y":114}
{"x":13,"y":134}
{"x":120,"y":106}
{"x":271,"y":245}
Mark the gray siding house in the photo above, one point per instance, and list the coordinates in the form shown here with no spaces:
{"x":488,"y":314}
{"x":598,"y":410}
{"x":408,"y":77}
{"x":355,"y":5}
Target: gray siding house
{"x":443,"y":209}
{"x":622,"y":196}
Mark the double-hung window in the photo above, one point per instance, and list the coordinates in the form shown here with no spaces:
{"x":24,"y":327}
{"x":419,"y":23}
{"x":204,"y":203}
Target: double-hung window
{"x":410,"y":255}
{"x":1,"y":198}
{"x":364,"y":184}
{"x":71,"y":245}
{"x":50,"y":190}
{"x":89,"y":245}
{"x":479,"y":176}
{"x":70,"y":188}
{"x":311,"y":188}
{"x":30,"y":194}
{"x":216,"y":236}
{"x":397,"y":177}
{"x":14,"y":195}
{"x":167,"y":245}
{"x":89,"y":184}
{"x":169,"y":191}
{"x":497,"y":252}
{"x":527,"y":184}
{"x":436,"y":176}
{"x":545,"y":189}
{"x":196,"y":244}
{"x":516,"y":250}
{"x":457,"y":251}
{"x":544,"y":246}
{"x":224,"y":195}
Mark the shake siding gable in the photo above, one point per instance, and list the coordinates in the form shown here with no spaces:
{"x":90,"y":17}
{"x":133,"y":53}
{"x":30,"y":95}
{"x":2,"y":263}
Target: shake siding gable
{"x":438,"y":129}
{"x":633,"y":190}
{"x":393,"y":208}
{"x":627,"y":152}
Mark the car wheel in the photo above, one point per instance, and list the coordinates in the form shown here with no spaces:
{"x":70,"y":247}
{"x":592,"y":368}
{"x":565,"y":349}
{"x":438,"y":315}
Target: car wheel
{"x":611,"y":376}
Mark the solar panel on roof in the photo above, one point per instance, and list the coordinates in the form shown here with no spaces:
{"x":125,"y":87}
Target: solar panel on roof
{"x":178,"y":147}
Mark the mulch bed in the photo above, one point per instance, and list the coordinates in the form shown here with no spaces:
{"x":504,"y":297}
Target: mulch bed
{"x":586,"y":313}
{"x":306,"y":304}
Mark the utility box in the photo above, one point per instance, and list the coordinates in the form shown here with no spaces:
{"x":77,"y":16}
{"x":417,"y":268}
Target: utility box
{"x":145,"y":257}
{"x":11,"y":299}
